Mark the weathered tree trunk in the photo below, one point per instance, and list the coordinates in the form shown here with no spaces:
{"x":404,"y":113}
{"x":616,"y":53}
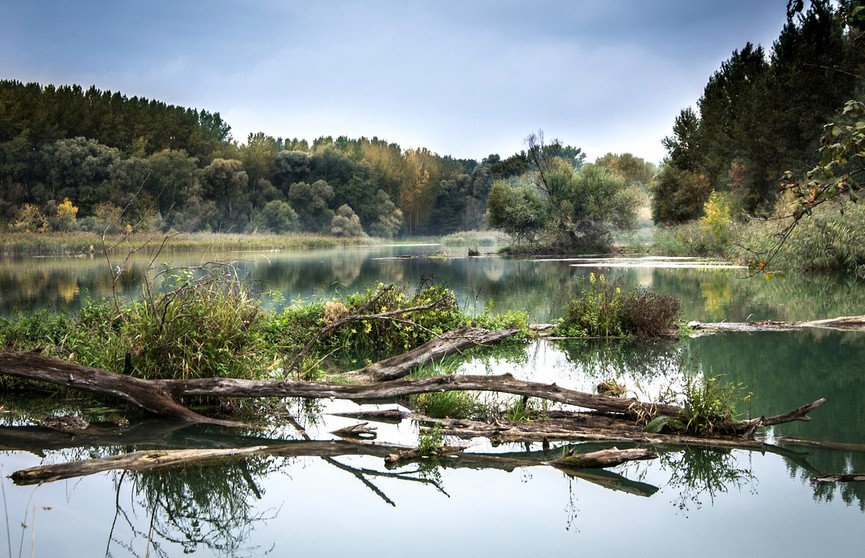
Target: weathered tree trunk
{"x":159,"y":396}
{"x":847,"y":323}
{"x":146,"y":394}
{"x":446,"y":344}
{"x":602,"y":459}
{"x":159,"y":459}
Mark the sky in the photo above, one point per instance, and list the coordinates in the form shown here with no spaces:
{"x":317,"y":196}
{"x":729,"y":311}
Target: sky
{"x":464,"y":78}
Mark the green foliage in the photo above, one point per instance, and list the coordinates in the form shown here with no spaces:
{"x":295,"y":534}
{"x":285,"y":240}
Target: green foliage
{"x":563,"y":207}
{"x":346,"y":223}
{"x":448,"y":404}
{"x":594,"y":312}
{"x":197,"y":327}
{"x":678,"y":195}
{"x":708,"y":405}
{"x":516,"y":208}
{"x":695,"y":239}
{"x":601,"y":309}
{"x":276,"y":216}
{"x":37,"y":329}
{"x":763,"y":115}
{"x":430,"y":441}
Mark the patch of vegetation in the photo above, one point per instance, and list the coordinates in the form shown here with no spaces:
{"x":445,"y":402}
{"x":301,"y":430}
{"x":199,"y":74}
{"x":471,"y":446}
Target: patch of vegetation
{"x":430,"y":441}
{"x":708,"y":406}
{"x":81,"y":242}
{"x":449,"y":404}
{"x":208,"y":323}
{"x":475,"y":238}
{"x":602,"y":309}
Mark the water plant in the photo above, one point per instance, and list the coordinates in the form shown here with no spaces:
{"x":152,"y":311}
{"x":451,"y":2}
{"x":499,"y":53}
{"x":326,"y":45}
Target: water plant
{"x":708,"y":406}
{"x":602,"y":309}
{"x":430,"y":441}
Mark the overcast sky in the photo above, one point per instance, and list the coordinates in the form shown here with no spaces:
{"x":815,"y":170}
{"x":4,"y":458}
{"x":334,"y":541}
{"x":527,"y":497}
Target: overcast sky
{"x":464,"y":78}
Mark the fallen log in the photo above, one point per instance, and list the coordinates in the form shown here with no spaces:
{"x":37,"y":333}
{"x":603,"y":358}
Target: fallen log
{"x":843,"y":323}
{"x":602,"y":459}
{"x":140,"y":461}
{"x":444,"y":345}
{"x":842,"y":477}
{"x":160,"y":396}
{"x":147,"y":394}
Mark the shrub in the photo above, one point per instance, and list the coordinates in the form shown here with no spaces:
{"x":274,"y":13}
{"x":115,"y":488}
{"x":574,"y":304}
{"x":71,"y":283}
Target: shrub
{"x":595,"y":312}
{"x":196,"y":328}
{"x":648,"y":313}
{"x":603,"y":310}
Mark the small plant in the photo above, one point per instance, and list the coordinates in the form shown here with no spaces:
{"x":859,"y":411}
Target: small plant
{"x":595,"y":312}
{"x":708,"y":406}
{"x":448,"y":404}
{"x":430,"y":441}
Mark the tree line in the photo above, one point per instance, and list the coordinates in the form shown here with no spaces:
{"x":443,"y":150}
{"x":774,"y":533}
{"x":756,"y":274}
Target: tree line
{"x":75,"y":159}
{"x":93,"y":160}
{"x":762,"y":114}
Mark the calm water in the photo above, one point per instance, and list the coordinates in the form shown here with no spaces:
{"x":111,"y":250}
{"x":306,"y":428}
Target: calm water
{"x":703,"y":502}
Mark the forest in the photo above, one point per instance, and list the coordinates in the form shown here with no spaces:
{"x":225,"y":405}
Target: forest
{"x":763,"y":113}
{"x":91,"y":160}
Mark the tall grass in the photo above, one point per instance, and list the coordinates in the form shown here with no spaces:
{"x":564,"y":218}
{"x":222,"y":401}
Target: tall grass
{"x":42,"y":244}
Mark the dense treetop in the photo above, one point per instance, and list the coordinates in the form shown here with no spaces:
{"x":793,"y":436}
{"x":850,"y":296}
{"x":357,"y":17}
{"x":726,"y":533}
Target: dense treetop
{"x":762,"y":114}
{"x":132,"y":162}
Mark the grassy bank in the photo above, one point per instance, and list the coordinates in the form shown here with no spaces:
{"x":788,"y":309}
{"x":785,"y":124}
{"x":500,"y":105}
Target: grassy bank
{"x":830,"y":240}
{"x":74,"y":243}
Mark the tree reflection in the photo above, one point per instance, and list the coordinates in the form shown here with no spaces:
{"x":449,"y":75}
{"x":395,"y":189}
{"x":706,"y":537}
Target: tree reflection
{"x":698,"y":473}
{"x":210,"y":506}
{"x":828,"y":462}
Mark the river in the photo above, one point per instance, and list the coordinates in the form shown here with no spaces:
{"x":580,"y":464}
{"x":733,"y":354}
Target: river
{"x":690,"y":500}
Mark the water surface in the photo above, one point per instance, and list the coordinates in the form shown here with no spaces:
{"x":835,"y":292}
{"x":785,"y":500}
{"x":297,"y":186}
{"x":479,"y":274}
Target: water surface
{"x":697,"y":501}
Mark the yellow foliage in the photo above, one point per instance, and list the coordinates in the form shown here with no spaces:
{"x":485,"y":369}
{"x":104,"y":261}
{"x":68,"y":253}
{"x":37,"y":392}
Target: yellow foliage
{"x":718,"y":215}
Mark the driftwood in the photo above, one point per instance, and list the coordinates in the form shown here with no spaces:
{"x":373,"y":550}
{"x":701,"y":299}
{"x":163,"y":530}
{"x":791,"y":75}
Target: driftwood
{"x":842,"y":477}
{"x":446,"y":344}
{"x":602,"y":459}
{"x":140,"y":461}
{"x":844,"y":323}
{"x":160,"y":396}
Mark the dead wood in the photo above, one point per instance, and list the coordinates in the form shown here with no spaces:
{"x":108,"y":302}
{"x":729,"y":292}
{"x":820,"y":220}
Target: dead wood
{"x":146,"y":394}
{"x":160,"y":396}
{"x":388,"y":416}
{"x":451,"y":456}
{"x":842,"y":477}
{"x":602,"y":459}
{"x":446,"y":344}
{"x":360,"y":430}
{"x":584,"y":427}
{"x":362,"y":314}
{"x":844,"y":323}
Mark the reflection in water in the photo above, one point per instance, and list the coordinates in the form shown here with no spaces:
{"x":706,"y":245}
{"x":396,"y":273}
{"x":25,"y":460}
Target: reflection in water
{"x":700,"y":473}
{"x":537,"y":286}
{"x":210,"y":507}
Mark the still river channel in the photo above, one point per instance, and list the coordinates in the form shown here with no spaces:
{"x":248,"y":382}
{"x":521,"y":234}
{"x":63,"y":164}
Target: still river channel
{"x":690,"y":501}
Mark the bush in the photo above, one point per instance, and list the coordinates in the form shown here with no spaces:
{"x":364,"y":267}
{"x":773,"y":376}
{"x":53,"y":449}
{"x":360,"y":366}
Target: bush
{"x":648,"y":313}
{"x":603,"y":310}
{"x":595,"y":312}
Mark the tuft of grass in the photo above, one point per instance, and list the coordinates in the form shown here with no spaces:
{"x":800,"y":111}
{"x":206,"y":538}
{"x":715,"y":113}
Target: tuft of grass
{"x":448,"y":404}
{"x":708,"y":406}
